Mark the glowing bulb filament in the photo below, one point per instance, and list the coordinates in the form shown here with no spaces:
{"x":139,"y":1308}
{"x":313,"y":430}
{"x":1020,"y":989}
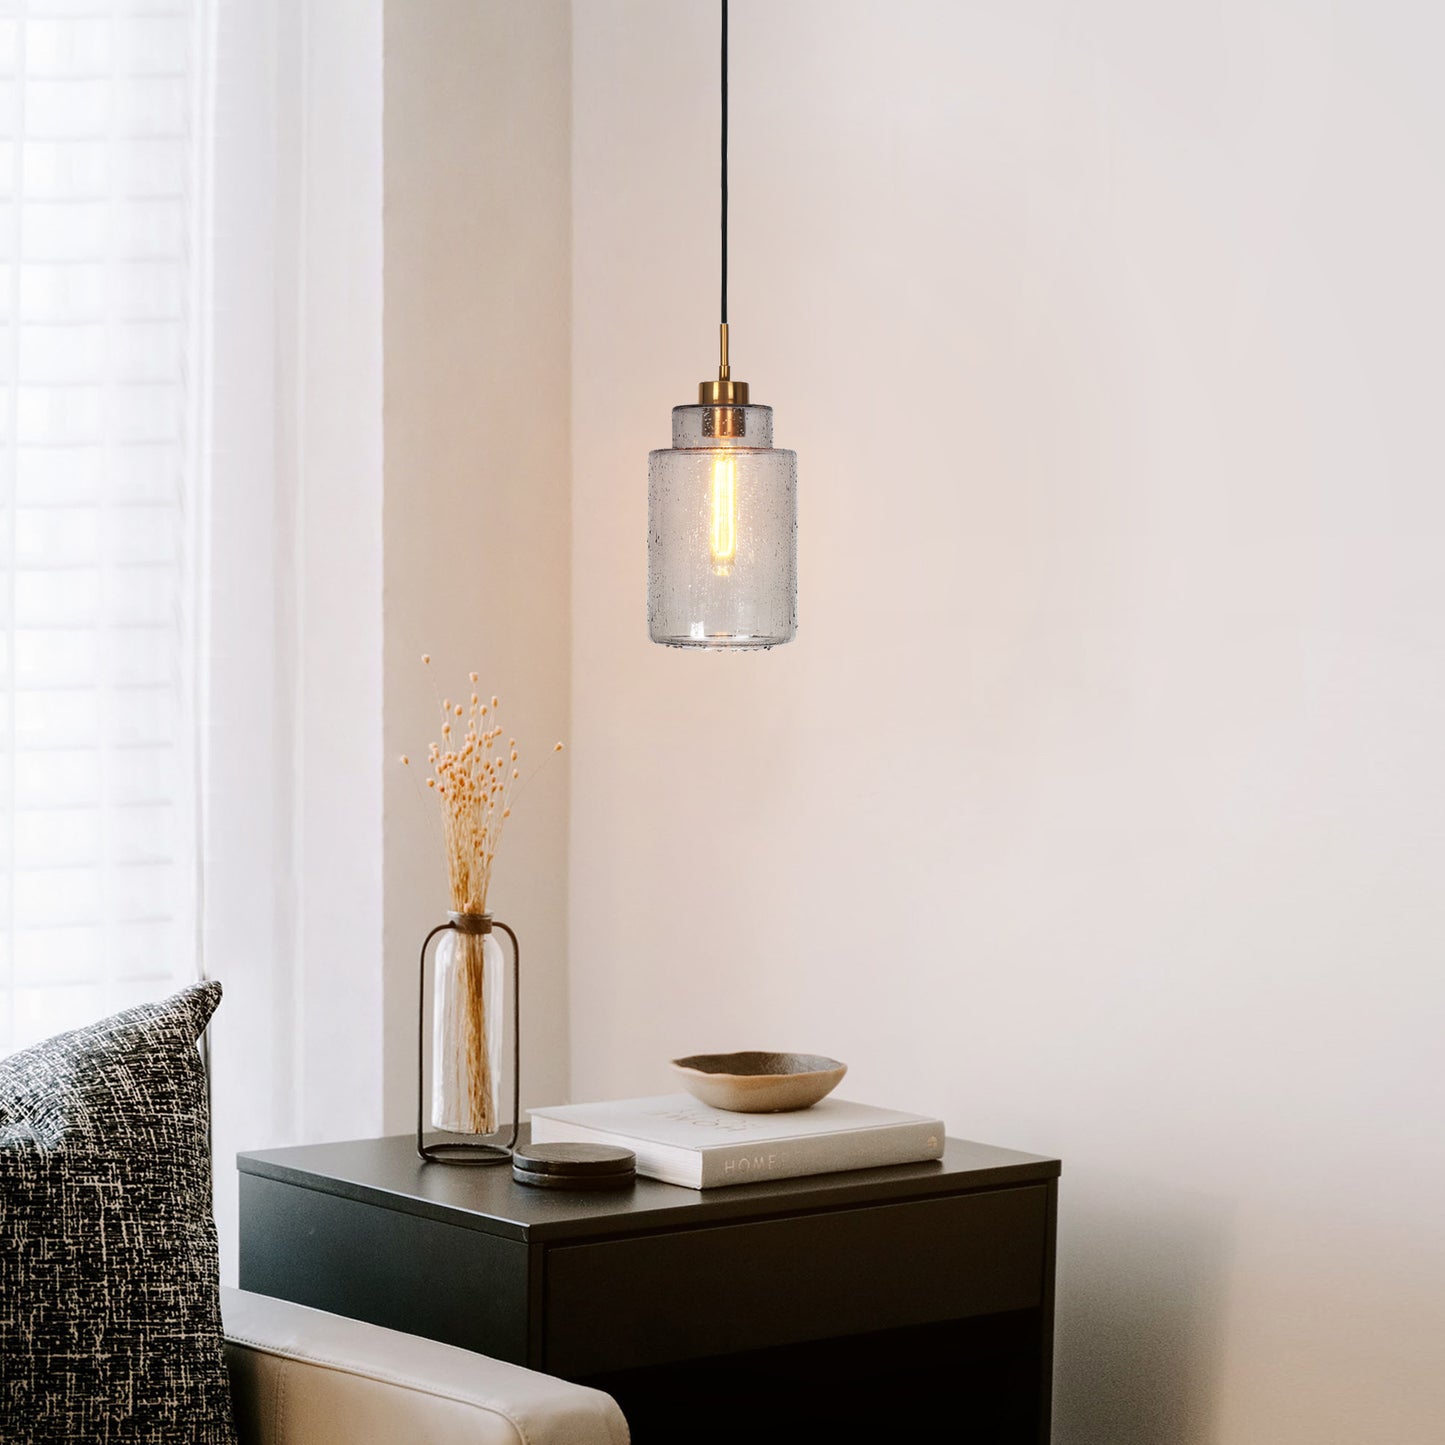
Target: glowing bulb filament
{"x":724,"y":515}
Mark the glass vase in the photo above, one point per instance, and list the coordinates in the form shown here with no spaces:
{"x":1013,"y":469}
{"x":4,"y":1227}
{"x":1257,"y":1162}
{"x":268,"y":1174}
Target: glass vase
{"x":467,"y":1033}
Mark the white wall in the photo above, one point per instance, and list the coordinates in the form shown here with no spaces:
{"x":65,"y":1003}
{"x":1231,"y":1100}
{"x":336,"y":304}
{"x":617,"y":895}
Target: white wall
{"x":477,"y":511}
{"x":1097,"y":805}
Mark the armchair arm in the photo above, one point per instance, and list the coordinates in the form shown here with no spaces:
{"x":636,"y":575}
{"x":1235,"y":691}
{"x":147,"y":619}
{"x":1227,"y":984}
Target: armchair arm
{"x":303,"y":1377}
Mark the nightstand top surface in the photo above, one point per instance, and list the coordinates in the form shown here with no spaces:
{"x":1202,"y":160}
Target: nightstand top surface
{"x":387,"y":1172}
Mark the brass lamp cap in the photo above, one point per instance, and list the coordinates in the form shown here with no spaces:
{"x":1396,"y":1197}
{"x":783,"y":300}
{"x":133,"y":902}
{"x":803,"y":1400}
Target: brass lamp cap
{"x":722,"y":391}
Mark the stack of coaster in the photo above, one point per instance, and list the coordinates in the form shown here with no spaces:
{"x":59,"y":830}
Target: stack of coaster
{"x":573,"y":1166}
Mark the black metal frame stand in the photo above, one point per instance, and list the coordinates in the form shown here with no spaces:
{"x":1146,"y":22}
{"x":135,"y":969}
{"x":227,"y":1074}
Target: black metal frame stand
{"x":469,"y":1151}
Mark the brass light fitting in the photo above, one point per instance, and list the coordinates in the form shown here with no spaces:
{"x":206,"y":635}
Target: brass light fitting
{"x":724,"y":391}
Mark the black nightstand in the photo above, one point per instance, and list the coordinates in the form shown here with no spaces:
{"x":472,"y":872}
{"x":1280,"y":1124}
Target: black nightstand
{"x":742,"y":1313}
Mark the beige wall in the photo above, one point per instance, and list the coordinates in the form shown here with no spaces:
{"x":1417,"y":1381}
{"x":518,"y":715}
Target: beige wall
{"x":1097,"y":805}
{"x":477,"y":506}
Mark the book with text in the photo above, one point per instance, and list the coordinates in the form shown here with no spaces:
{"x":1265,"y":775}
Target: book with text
{"x":680,"y":1140}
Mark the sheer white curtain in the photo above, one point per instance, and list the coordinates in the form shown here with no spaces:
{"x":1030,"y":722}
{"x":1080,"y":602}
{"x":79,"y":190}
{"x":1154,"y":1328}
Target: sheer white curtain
{"x":102,"y":246}
{"x":292,"y":826}
{"x":190,"y":531}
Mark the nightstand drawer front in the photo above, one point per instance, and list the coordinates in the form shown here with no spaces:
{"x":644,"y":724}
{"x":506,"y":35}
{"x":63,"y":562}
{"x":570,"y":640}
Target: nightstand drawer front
{"x":416,"y":1275}
{"x":692,"y":1293}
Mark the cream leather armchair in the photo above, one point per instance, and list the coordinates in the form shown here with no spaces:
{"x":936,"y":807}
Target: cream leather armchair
{"x":303,"y":1377}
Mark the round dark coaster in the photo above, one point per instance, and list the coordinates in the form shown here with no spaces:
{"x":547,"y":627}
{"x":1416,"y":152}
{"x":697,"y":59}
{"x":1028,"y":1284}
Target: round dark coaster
{"x":579,"y":1181}
{"x":575,"y":1159}
{"x":573,"y":1166}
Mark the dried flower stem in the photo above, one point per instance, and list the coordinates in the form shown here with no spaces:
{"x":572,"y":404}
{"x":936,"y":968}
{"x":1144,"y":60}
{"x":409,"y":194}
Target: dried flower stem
{"x":475,"y":779}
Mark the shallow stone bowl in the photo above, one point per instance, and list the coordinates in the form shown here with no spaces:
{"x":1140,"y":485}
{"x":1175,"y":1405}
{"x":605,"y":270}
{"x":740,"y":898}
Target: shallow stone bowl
{"x":753,"y":1082}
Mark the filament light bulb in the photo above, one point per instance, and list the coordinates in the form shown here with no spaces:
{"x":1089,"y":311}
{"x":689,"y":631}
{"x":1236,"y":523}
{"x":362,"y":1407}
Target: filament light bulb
{"x":724,"y":534}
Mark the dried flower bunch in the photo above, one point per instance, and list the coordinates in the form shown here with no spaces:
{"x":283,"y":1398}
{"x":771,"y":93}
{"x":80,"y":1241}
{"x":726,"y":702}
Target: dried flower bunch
{"x":475,"y":777}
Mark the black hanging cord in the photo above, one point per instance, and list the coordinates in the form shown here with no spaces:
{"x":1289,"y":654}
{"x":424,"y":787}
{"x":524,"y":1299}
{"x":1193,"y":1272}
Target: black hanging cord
{"x":724,"y":316}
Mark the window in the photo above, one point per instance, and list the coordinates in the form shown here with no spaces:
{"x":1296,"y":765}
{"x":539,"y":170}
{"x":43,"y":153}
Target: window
{"x":100,"y":367}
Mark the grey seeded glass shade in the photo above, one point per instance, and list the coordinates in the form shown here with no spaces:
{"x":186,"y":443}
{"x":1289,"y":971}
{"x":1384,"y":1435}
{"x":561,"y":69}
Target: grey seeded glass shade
{"x":722,"y":532}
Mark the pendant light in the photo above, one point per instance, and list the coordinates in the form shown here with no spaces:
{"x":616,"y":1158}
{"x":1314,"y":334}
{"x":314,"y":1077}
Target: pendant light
{"x":722,"y":506}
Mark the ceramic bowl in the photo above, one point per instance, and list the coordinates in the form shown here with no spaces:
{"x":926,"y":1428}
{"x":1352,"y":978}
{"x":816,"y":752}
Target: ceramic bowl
{"x":753,"y":1082}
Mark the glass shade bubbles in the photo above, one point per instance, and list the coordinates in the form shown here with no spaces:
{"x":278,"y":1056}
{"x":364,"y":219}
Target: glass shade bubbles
{"x":722,"y":533}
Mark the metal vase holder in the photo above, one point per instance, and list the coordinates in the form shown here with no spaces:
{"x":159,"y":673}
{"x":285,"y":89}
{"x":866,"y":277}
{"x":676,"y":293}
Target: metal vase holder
{"x":469,"y":1151}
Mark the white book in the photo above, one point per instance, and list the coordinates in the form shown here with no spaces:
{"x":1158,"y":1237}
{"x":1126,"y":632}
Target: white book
{"x":680,"y":1140}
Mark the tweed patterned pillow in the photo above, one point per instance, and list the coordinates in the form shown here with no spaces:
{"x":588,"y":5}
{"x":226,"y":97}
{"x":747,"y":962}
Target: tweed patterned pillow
{"x":110,"y":1319}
